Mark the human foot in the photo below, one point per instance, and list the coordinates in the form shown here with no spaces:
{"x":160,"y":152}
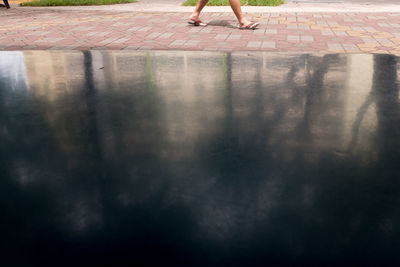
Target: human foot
{"x":194,"y":20}
{"x":248,"y":25}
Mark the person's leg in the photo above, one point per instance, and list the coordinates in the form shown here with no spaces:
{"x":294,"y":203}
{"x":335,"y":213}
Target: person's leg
{"x":196,"y":13}
{"x":235,"y":5}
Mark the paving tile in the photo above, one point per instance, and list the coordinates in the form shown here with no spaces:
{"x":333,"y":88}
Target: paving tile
{"x":64,"y":47}
{"x":307,"y":38}
{"x":221,"y":36}
{"x":153,"y":35}
{"x":304,"y":27}
{"x":193,"y":36}
{"x":178,"y":42}
{"x":327,"y":32}
{"x":210,"y":49}
{"x":335,"y":46}
{"x":254,"y":44}
{"x":192,"y":43}
{"x":144,"y":29}
{"x":108,"y":40}
{"x":98,"y":34}
{"x":384,"y":25}
{"x":131,"y":47}
{"x":271,"y":31}
{"x":369,"y":29}
{"x":383,"y":41}
{"x":266,"y":44}
{"x":82,"y":28}
{"x":206,"y":30}
{"x":29,"y":47}
{"x":133,"y":29}
{"x":222,"y":43}
{"x":357,"y":28}
{"x":38,"y":33}
{"x":264,"y":37}
{"x":332,"y":23}
{"x":340,"y":33}
{"x":259,"y":31}
{"x":171,"y":25}
{"x":49,"y":40}
{"x":234,"y":37}
{"x":350,"y":48}
{"x":195,"y":29}
{"x":145,"y":48}
{"x":166,"y":35}
{"x":294,"y":38}
{"x":120,"y":41}
{"x":370,"y":40}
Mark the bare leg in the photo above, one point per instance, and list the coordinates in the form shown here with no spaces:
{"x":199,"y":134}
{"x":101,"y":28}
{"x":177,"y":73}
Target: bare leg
{"x":196,"y":13}
{"x":235,"y":5}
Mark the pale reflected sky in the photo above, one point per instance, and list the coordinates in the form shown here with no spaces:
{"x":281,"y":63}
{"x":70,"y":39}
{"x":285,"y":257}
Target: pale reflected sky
{"x":12,"y":67}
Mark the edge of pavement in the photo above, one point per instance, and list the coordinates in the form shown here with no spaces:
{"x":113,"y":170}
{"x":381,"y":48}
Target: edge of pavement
{"x":290,"y":7}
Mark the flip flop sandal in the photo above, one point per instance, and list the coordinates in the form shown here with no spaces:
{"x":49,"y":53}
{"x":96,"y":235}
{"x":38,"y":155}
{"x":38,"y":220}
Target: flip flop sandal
{"x":196,"y":23}
{"x":251,"y":26}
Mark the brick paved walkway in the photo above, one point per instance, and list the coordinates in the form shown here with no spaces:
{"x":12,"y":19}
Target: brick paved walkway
{"x":30,"y":29}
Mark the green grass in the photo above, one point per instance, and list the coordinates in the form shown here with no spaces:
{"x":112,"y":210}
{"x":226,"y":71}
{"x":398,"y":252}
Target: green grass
{"x":74,"y":2}
{"x":242,"y":2}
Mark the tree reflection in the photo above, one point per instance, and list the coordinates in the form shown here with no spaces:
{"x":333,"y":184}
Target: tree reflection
{"x":386,"y":95}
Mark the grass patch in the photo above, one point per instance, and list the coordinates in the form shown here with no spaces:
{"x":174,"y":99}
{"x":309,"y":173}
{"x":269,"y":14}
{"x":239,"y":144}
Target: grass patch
{"x":242,"y":2}
{"x":74,"y":2}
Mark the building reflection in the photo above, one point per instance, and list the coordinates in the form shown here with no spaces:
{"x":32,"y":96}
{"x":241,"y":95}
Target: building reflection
{"x":208,"y":149}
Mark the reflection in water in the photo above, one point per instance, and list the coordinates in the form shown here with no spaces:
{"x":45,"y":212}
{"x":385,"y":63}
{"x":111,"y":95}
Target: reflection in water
{"x":199,"y":158}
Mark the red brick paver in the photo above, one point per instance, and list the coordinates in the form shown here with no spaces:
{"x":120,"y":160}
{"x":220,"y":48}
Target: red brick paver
{"x":30,"y":29}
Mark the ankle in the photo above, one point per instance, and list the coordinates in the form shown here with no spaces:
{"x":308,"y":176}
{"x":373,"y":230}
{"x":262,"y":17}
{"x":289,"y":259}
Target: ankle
{"x":244,"y":22}
{"x":195,"y":15}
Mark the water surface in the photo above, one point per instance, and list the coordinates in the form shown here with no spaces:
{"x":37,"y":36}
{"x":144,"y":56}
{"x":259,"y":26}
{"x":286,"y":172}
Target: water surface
{"x":192,"y":158}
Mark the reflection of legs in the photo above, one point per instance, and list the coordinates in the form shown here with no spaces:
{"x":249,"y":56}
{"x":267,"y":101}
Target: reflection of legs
{"x":196,"y":13}
{"x":5,"y":4}
{"x":235,"y":5}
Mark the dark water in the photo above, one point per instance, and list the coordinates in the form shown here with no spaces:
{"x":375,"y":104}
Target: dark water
{"x":189,"y":158}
